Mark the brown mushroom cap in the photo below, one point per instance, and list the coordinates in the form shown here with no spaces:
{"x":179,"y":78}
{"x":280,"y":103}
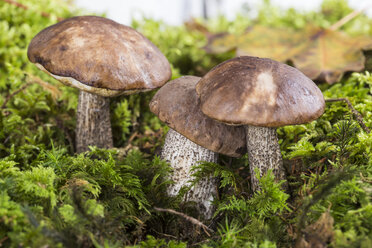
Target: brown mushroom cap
{"x":260,"y":92}
{"x":100,"y":56}
{"x":177,"y":104}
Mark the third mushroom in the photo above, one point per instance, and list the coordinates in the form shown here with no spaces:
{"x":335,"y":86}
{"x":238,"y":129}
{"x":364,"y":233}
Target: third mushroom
{"x":260,"y":94}
{"x":194,"y":137}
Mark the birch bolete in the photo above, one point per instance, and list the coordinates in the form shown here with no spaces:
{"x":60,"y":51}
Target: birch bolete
{"x":193,"y":137}
{"x":260,"y":94}
{"x":102,"y":59}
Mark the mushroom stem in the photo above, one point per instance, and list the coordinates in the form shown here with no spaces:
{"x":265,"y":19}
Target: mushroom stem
{"x":93,"y":126}
{"x":264,"y":154}
{"x":182,"y":154}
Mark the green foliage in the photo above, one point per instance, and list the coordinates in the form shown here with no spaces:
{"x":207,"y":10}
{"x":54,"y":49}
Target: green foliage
{"x":152,"y":242}
{"x":181,"y":47}
{"x":12,"y":215}
{"x":264,"y":203}
{"x":331,"y":11}
{"x":205,"y":169}
{"x":355,"y":228}
{"x":35,"y":186}
{"x":96,"y":193}
{"x":270,"y":199}
{"x":333,"y":144}
{"x":254,"y":220}
{"x":123,"y":120}
{"x":30,"y":117}
{"x":233,"y":236}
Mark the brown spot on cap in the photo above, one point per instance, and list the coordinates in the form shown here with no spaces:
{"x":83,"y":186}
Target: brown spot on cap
{"x":100,"y":53}
{"x":177,"y":104}
{"x":260,"y":92}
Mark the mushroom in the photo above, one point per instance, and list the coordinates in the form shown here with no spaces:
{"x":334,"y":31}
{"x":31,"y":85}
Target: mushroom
{"x":260,"y":94}
{"x":193,"y":137}
{"x":102,"y":59}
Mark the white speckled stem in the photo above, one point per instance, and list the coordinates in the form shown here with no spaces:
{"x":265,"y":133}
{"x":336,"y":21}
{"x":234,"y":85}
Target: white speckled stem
{"x":93,"y":126}
{"x":264,"y":153}
{"x":182,"y":154}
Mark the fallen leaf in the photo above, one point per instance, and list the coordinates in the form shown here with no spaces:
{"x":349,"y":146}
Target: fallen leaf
{"x":326,"y":54}
{"x":321,"y":54}
{"x":260,"y":41}
{"x":194,"y":25}
{"x":221,"y":43}
{"x":279,"y":44}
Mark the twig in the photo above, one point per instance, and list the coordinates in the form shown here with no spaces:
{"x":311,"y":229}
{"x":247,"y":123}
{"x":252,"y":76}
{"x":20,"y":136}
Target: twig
{"x":30,"y":80}
{"x":22,"y":6}
{"x":366,"y":180}
{"x":165,"y":235}
{"x":3,"y":106}
{"x":347,"y":18}
{"x":131,"y":138}
{"x":54,"y":91}
{"x":356,"y":114}
{"x":2,"y":240}
{"x":189,"y":218}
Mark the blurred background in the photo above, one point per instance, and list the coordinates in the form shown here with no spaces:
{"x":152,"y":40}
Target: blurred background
{"x":175,"y":12}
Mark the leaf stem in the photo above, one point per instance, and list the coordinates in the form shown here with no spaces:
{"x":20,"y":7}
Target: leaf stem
{"x":347,"y":18}
{"x":3,"y":106}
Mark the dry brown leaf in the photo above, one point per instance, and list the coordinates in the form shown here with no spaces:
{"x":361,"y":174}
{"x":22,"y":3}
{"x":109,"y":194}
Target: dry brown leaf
{"x":265,"y":42}
{"x":194,"y":25}
{"x":322,"y":54}
{"x":326,"y":54}
{"x":279,"y":44}
{"x":221,"y":43}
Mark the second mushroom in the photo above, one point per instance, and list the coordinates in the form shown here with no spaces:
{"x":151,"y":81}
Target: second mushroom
{"x":193,"y":137}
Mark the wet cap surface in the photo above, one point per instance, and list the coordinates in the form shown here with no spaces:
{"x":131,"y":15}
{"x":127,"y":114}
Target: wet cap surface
{"x":100,"y":53}
{"x":260,"y":92}
{"x":177,"y":104}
